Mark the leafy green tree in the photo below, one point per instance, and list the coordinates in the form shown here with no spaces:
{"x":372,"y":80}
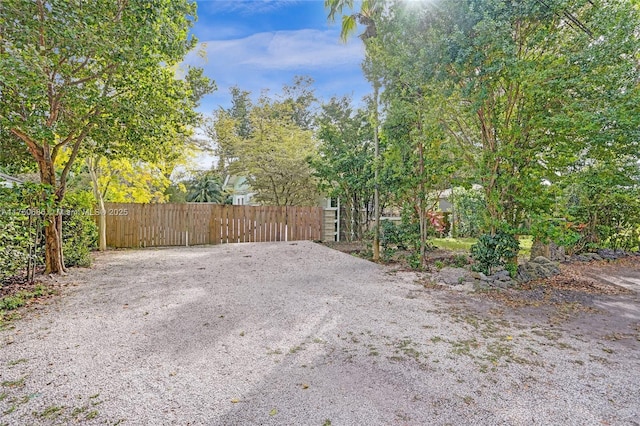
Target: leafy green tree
{"x":522,"y":91}
{"x":370,"y":11}
{"x":275,"y":158}
{"x":74,"y":74}
{"x":344,"y":163}
{"x":271,"y":144}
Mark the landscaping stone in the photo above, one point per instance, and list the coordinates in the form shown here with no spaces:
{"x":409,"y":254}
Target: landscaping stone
{"x":538,"y":268}
{"x":502,"y":276}
{"x":452,"y":276}
{"x":611,"y":254}
{"x":550,"y":251}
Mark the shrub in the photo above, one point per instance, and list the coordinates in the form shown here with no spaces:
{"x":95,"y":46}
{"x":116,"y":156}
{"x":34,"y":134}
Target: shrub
{"x":18,"y":234}
{"x":469,"y":207}
{"x":495,"y":250}
{"x":79,"y":231}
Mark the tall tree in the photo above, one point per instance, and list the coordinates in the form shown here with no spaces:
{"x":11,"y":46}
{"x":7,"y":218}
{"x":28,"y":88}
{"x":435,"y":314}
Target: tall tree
{"x":525,"y":89}
{"x":270,"y":143}
{"x":70,"y":71}
{"x":275,"y":158}
{"x":344,"y":163}
{"x":370,"y":11}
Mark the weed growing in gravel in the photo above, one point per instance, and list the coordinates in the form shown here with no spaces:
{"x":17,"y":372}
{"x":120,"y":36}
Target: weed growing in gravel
{"x":9,"y":303}
{"x":406,"y":346}
{"x":16,"y":362}
{"x":22,"y":298}
{"x":51,"y":412}
{"x":14,"y":383}
{"x":295,"y":349}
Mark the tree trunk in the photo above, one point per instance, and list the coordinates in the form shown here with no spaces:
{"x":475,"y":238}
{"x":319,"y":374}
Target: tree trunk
{"x":102,"y":212}
{"x":376,"y":194}
{"x":54,"y":259}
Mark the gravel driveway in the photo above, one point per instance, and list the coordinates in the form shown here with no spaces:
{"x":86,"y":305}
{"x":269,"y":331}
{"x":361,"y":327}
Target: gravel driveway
{"x":299,"y":334}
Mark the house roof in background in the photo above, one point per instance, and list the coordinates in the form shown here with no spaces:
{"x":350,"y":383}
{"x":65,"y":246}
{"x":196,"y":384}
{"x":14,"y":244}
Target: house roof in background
{"x":5,"y":178}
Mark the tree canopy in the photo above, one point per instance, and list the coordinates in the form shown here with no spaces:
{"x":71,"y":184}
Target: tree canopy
{"x":91,"y":76}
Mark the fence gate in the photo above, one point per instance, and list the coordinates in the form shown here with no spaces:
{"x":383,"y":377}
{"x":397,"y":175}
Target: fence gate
{"x":153,"y":225}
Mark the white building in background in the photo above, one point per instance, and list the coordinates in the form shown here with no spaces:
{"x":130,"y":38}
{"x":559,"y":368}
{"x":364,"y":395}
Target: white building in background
{"x":8,"y":181}
{"x":240,"y":191}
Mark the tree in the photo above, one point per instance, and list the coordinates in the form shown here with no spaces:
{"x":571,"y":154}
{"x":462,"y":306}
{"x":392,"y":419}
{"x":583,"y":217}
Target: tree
{"x":270,"y":143}
{"x":205,"y":188}
{"x":344,"y":163}
{"x":275,"y":158}
{"x":524,"y":89}
{"x":370,"y":11}
{"x":74,"y":73}
{"x":147,"y":165}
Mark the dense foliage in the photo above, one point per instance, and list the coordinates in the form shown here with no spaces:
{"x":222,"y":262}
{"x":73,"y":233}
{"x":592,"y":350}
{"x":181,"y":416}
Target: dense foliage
{"x":89,"y":78}
{"x":23,"y":214}
{"x":536,"y":103}
{"x":270,"y":143}
{"x":499,"y":250}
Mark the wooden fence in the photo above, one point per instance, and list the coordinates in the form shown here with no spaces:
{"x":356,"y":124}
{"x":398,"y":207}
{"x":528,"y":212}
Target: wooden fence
{"x":154,"y":225}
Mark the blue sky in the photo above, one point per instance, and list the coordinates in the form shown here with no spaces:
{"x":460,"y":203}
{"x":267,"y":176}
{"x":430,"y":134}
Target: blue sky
{"x":262,"y":44}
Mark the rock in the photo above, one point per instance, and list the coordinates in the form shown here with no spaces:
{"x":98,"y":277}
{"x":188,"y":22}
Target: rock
{"x":501,"y":274}
{"x":503,"y":277}
{"x":556,"y":252}
{"x":479,"y":276}
{"x":550,"y":251}
{"x":541,"y":260}
{"x":538,"y":268}
{"x":610,"y":254}
{"x":539,"y":249}
{"x":592,"y":256}
{"x":453,"y":276}
{"x":481,"y":286}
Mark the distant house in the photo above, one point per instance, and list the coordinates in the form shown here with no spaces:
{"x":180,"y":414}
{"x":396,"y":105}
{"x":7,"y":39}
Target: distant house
{"x":445,"y":198}
{"x":239,"y":190}
{"x":8,"y":181}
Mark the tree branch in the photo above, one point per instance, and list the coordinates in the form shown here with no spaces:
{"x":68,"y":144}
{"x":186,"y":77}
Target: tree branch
{"x":36,"y":150}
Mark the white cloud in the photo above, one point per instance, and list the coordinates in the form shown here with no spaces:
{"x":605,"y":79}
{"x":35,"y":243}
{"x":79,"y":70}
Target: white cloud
{"x":270,"y":59}
{"x":247,"y":7}
{"x":285,"y":50}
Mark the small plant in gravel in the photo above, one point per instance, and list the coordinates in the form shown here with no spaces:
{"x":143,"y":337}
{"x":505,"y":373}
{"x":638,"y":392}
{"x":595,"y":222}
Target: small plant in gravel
{"x":14,"y":383}
{"x":51,"y":412}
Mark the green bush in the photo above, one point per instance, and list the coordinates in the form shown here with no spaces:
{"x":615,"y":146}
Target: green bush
{"x":469,"y":207}
{"x":18,"y":231}
{"x":492,"y":251}
{"x":79,"y":231}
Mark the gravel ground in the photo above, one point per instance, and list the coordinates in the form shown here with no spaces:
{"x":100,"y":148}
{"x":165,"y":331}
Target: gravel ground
{"x":299,"y":334}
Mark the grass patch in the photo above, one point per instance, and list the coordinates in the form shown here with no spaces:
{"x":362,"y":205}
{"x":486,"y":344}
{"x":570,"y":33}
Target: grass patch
{"x":456,"y":244}
{"x":16,"y":362}
{"x":11,"y":302}
{"x":464,"y":244}
{"x":21,"y":298}
{"x":51,"y":412}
